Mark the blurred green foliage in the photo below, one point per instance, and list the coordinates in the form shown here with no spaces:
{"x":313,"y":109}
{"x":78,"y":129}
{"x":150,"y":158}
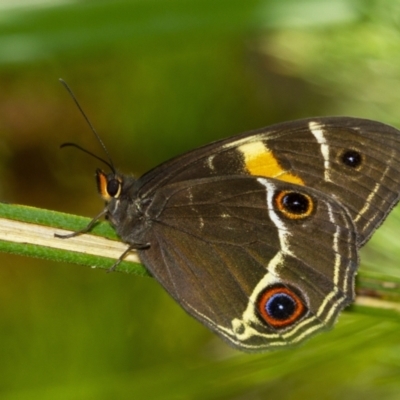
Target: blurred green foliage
{"x":158,"y":77}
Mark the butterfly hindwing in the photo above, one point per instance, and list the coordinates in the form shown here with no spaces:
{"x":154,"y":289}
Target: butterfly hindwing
{"x":235,"y":250}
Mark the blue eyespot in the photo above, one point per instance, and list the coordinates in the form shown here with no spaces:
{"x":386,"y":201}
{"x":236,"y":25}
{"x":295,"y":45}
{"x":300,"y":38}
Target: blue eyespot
{"x":280,"y":306}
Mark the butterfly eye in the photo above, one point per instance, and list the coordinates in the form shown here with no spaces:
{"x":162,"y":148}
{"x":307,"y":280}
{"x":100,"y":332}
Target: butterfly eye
{"x":114,"y":188}
{"x":294,"y":205}
{"x":352,"y":159}
{"x":280,"y":306}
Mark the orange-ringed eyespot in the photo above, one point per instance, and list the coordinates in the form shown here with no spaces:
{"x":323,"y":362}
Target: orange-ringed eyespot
{"x":294,"y":205}
{"x":280,"y":306}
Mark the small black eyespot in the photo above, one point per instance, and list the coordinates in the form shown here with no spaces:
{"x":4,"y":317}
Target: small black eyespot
{"x":113,"y":187}
{"x":295,"y":203}
{"x":281,"y":306}
{"x":351,"y":158}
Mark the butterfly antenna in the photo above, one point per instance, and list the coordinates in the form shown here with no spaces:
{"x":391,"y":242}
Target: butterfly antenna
{"x":109,"y":162}
{"x":90,"y":153}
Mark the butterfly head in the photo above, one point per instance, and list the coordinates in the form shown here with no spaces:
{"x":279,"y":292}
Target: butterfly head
{"x":113,"y":186}
{"x":124,"y":209}
{"x":109,"y":185}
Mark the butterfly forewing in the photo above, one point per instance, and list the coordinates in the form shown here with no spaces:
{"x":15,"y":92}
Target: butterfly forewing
{"x":356,"y":161}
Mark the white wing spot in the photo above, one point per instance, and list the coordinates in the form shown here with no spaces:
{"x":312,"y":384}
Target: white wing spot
{"x":210,"y":162}
{"x":318,"y":132}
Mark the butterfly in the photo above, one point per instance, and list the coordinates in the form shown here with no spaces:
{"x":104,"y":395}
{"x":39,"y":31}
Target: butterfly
{"x":257,"y":236}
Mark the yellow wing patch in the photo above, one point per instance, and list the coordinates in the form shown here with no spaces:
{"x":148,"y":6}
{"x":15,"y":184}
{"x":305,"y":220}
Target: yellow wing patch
{"x":260,"y":161}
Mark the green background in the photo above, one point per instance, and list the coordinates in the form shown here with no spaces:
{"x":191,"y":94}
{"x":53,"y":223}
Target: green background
{"x":157,"y":78}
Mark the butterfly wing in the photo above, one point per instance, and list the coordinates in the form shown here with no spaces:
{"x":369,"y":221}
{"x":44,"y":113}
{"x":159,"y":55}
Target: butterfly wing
{"x":357,"y":161}
{"x":261,"y":262}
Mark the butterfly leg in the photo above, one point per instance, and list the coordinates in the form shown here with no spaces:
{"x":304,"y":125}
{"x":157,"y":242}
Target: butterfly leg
{"x":134,"y":246}
{"x":86,"y":229}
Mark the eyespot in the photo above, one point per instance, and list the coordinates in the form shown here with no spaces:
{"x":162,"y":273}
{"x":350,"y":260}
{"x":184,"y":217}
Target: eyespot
{"x":294,"y":205}
{"x":352,"y":159}
{"x":114,"y":187}
{"x":280,"y":306}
